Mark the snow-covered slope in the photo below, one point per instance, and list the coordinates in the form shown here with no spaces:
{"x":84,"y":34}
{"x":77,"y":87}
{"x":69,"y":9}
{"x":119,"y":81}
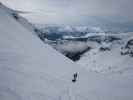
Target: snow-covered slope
{"x":31,"y":70}
{"x":110,"y":57}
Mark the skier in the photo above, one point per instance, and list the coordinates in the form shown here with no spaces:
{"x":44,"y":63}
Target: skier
{"x":15,"y":16}
{"x":75,"y":75}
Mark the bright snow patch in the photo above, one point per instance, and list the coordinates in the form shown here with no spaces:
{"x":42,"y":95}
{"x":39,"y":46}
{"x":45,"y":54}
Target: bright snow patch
{"x":31,"y":70}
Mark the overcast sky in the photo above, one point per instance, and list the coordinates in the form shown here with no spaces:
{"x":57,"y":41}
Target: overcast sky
{"x":69,"y":11}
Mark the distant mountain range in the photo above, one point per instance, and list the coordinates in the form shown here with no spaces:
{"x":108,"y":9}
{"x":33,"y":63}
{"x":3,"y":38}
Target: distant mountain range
{"x":107,"y":24}
{"x":32,"y":70}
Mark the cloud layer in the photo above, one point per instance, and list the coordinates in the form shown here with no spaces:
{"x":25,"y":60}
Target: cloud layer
{"x":71,"y":11}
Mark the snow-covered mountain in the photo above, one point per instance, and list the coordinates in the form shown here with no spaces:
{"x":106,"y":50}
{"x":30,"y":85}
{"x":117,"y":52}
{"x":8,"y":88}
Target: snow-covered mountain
{"x":96,"y":24}
{"x":110,"y":56}
{"x":32,"y":70}
{"x":74,"y":41}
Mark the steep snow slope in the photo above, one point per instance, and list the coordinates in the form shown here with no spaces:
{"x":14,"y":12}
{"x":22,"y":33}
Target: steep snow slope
{"x":31,"y":70}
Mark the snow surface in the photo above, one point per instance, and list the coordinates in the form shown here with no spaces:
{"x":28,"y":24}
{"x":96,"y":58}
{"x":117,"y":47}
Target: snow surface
{"x":32,"y":70}
{"x":109,"y":61}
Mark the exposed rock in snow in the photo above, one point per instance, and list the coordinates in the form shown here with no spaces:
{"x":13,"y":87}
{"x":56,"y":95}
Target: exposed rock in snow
{"x":110,"y":57}
{"x":32,"y":70}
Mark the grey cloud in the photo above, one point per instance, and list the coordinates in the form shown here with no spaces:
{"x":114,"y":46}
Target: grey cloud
{"x":73,"y":10}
